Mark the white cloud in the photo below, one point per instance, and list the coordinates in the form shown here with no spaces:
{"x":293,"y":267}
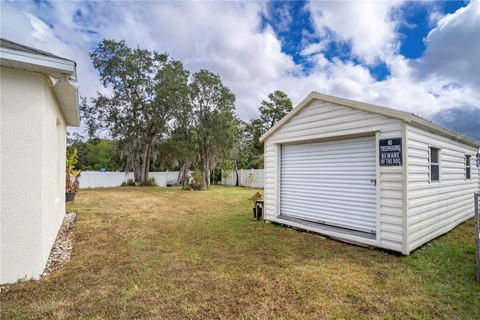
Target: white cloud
{"x":223,"y":37}
{"x":453,"y":48}
{"x":369,"y":26}
{"x":228,"y":38}
{"x":313,"y":48}
{"x":23,"y":25}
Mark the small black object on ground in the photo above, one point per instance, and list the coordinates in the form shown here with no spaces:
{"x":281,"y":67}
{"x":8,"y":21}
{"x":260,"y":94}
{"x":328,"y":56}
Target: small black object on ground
{"x":258,"y":210}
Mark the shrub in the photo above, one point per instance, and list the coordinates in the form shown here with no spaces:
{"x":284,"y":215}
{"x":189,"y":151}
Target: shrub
{"x":149,"y":183}
{"x":196,"y":180}
{"x":72,"y":186}
{"x":128,"y":183}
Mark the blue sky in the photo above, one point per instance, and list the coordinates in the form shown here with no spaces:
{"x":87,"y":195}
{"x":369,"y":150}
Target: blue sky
{"x":422,"y":56}
{"x":413,"y":30}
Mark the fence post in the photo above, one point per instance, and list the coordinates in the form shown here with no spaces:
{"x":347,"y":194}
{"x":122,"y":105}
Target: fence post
{"x":477,"y":233}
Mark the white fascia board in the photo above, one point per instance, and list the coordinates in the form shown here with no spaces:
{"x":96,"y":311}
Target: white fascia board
{"x":62,"y":65}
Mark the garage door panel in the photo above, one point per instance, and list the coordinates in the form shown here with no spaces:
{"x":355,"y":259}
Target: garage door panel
{"x":361,"y":214}
{"x":333,"y":216}
{"x":328,"y":162}
{"x":342,"y":221}
{"x":365,"y":152}
{"x":320,"y":173}
{"x":330,"y":204}
{"x":330,"y":182}
{"x":332,"y":197}
{"x":343,"y":218}
{"x":328,"y":145}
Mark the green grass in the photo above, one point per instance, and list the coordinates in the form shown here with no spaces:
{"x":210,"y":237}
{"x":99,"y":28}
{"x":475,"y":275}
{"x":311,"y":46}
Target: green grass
{"x":162,"y":253}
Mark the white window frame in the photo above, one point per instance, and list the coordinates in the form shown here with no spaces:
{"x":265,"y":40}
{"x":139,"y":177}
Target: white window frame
{"x":430,"y":148}
{"x":468,"y":167}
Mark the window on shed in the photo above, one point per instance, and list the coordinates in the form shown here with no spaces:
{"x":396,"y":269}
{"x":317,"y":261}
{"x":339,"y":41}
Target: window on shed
{"x":468,"y":167}
{"x":434,"y":164}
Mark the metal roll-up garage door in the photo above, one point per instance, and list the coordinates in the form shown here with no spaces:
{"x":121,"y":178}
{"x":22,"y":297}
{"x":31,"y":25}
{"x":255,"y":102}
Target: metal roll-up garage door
{"x":330,"y":182}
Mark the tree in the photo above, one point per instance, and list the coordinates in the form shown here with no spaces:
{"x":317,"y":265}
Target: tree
{"x":271,"y":111}
{"x":213,"y":106}
{"x":180,"y":142}
{"x":274,"y":109}
{"x":238,"y":154}
{"x":254,"y":129}
{"x":95,"y":154}
{"x":134,"y":111}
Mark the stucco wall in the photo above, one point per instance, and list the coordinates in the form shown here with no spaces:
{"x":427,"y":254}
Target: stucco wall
{"x":30,"y":143}
{"x":53,"y":171}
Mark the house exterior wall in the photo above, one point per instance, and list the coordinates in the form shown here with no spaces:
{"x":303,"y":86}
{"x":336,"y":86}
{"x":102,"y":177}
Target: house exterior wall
{"x":436,"y":207}
{"x":54,"y":146}
{"x":323,"y":121}
{"x":32,"y":148}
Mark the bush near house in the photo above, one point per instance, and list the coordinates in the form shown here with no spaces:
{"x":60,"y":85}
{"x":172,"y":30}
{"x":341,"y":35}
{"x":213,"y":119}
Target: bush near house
{"x":72,"y":185}
{"x":164,"y":253}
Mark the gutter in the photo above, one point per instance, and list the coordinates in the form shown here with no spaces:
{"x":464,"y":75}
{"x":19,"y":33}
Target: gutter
{"x":61,"y":65}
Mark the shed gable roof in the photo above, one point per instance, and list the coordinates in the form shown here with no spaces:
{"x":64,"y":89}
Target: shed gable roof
{"x":389,"y":112}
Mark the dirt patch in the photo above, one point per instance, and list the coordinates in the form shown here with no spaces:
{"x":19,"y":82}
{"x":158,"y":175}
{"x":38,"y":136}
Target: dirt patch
{"x":63,"y":245}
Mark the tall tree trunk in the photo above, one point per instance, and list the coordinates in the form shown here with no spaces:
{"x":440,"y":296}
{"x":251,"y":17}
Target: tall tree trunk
{"x":184,"y":174}
{"x":235,"y":169}
{"x":186,"y":163}
{"x":205,"y":175}
{"x":133,"y":163}
{"x":137,"y":169}
{"x":145,"y":163}
{"x":206,"y":168}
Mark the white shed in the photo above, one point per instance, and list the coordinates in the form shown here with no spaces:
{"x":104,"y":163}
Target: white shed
{"x":368,"y":174}
{"x":38,"y":101}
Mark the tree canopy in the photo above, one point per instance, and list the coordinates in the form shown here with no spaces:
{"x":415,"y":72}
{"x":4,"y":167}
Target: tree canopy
{"x":157,"y":115}
{"x":271,"y":111}
{"x":137,"y":109}
{"x":274,"y":109}
{"x":153,"y":106}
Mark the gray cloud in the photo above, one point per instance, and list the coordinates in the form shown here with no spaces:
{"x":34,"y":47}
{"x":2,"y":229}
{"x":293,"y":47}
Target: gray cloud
{"x":463,"y":120}
{"x":453,"y":48}
{"x":229,"y":39}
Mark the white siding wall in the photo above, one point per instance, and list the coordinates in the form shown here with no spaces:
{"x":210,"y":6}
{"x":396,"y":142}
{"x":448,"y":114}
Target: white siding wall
{"x":435,"y":208}
{"x":322,"y":120}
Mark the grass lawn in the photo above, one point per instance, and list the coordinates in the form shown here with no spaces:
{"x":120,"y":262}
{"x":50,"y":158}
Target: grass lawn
{"x":168,"y":254}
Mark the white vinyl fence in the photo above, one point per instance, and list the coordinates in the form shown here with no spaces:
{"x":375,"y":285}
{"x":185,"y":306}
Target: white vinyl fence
{"x":252,"y":178}
{"x":96,"y":179}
